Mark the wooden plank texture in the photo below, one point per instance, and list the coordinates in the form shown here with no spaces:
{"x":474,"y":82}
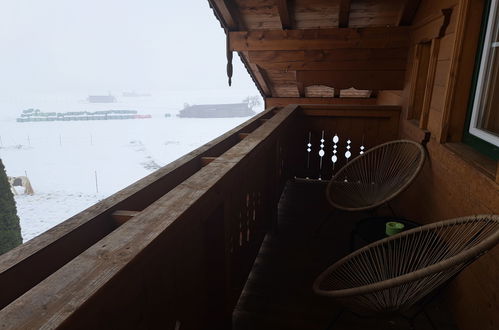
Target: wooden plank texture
{"x":321,"y":39}
{"x":348,"y":54}
{"x":345,"y":65}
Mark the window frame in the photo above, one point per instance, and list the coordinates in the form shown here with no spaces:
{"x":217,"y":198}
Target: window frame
{"x":480,"y":139}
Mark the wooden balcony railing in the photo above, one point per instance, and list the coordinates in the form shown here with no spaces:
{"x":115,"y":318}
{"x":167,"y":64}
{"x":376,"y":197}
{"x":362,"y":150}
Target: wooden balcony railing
{"x":175,"y":248}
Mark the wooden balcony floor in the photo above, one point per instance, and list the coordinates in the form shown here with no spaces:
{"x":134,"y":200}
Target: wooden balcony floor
{"x":278,"y":293}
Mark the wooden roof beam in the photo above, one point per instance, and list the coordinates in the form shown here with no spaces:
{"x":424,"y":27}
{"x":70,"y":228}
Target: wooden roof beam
{"x":321,"y":39}
{"x":345,"y":54}
{"x":283,"y":7}
{"x":408,"y":12}
{"x":262,"y":79}
{"x":227,"y":11}
{"x":344,"y":13}
{"x":341,"y":65}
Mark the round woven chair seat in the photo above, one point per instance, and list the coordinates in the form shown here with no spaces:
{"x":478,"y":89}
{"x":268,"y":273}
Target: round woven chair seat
{"x":395,"y":273}
{"x":377,"y":176}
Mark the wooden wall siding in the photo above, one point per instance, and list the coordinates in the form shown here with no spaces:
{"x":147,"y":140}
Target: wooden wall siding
{"x":30,"y":263}
{"x":362,"y":125}
{"x":450,"y":185}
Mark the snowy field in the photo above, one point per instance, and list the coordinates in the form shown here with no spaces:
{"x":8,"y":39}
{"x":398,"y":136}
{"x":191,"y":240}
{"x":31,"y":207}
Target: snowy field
{"x":72,"y":165}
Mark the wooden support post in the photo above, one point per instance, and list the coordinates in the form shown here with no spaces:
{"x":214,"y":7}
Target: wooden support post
{"x":262,"y":77}
{"x":122,"y":216}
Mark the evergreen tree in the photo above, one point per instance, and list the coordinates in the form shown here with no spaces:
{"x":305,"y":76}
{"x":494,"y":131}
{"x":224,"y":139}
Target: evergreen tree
{"x":10,"y":230}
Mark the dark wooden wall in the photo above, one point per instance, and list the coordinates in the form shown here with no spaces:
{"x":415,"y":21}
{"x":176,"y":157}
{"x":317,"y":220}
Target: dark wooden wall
{"x":456,"y":180}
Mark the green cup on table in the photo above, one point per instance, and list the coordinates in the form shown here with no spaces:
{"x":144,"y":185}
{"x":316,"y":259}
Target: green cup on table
{"x":393,"y":228}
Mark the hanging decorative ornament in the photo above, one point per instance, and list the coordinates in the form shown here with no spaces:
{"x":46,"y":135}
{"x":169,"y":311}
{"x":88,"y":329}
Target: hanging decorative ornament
{"x":229,"y":60}
{"x":321,"y":154}
{"x":334,"y":158}
{"x":362,"y":146}
{"x":309,"y":149}
{"x":348,"y":154}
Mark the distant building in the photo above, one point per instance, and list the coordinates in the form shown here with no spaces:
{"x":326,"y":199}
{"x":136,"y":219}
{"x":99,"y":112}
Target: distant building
{"x":135,"y":94}
{"x":101,"y":99}
{"x":217,"y":111}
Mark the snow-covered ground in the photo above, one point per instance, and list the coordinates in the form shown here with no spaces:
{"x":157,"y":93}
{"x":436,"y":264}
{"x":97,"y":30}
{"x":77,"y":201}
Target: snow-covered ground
{"x":72,"y":165}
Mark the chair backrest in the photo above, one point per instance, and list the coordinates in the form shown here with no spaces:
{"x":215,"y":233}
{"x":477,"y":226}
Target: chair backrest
{"x":377,"y":176}
{"x":398,"y":271}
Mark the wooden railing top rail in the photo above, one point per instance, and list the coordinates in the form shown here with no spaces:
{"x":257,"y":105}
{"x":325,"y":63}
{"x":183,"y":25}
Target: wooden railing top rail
{"x":30,"y":263}
{"x":51,"y":302}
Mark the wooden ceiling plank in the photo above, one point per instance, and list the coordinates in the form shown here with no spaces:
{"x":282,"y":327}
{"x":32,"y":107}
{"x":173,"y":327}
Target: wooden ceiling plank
{"x":284,"y":14}
{"x":408,"y":12}
{"x":344,"y":13}
{"x":320,"y":39}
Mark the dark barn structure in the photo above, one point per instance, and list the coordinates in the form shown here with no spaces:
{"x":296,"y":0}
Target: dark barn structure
{"x":223,"y":237}
{"x":217,"y":111}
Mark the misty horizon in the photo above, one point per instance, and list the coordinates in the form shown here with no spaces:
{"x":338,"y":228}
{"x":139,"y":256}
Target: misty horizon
{"x":96,"y":47}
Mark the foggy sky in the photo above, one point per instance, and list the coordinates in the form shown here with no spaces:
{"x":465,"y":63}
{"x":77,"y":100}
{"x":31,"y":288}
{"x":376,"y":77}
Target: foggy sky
{"x":112,"y":45}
